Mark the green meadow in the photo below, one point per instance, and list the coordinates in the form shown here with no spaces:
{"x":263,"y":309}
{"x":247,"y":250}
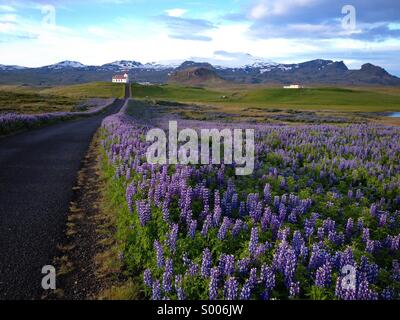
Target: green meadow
{"x":317,"y":99}
{"x":25,"y":99}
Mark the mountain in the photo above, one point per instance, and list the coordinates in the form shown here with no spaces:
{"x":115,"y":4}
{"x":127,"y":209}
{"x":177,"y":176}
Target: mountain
{"x":121,"y":65}
{"x":10,"y":68}
{"x":246,"y":70}
{"x":66,"y":65}
{"x":196,"y":76}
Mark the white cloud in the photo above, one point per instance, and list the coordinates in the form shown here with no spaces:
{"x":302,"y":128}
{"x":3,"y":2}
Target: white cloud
{"x":176,"y":12}
{"x":265,"y":8}
{"x":6,"y":8}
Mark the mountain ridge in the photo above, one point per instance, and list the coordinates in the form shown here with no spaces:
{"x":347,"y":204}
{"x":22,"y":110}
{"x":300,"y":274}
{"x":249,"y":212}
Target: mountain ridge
{"x":318,"y":71}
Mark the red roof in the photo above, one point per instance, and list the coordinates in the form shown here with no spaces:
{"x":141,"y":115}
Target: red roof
{"x":120,"y":76}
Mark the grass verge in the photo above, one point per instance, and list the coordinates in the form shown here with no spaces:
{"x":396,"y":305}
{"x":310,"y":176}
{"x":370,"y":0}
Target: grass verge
{"x":89,"y":262}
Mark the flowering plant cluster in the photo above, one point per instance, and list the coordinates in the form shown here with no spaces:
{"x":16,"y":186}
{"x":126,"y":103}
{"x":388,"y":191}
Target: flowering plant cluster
{"x":10,"y":122}
{"x":322,"y":200}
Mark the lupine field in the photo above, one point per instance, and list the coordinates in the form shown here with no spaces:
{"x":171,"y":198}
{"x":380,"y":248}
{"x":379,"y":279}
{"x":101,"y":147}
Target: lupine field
{"x":322,"y":199}
{"x":11,"y":122}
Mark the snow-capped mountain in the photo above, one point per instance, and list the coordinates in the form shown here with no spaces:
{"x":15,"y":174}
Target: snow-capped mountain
{"x":122,"y":65}
{"x":66,"y":65}
{"x":233,"y":67}
{"x":11,"y":68}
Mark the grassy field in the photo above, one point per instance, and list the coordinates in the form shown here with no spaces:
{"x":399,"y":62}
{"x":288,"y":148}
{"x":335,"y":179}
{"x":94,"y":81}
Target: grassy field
{"x":28,"y":100}
{"x":89,"y":90}
{"x":328,"y":99}
{"x":23,"y":99}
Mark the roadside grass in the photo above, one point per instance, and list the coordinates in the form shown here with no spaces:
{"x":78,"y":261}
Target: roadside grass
{"x":237,"y":98}
{"x":110,"y":261}
{"x":29,"y":101}
{"x":32,"y":100}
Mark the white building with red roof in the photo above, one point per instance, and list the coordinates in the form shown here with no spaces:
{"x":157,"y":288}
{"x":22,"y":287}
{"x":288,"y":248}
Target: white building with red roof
{"x":121,"y":78}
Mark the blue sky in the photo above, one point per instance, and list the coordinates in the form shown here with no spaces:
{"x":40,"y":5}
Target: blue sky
{"x":36,"y":33}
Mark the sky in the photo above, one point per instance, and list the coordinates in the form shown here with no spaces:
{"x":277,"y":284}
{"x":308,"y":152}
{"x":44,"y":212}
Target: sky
{"x":95,"y":32}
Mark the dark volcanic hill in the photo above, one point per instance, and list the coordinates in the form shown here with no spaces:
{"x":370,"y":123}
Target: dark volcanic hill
{"x":315,"y":72}
{"x":196,"y":76}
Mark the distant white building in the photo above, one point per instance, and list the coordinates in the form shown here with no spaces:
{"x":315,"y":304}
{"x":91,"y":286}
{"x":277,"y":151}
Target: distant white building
{"x":293,"y":86}
{"x":121,"y":78}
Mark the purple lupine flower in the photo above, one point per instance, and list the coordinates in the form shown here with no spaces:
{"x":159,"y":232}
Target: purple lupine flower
{"x":224,"y":229}
{"x":277,"y":202}
{"x":242,"y":209}
{"x":267,"y":193}
{"x":173,"y":237}
{"x":237,"y":228}
{"x":186,"y":261}
{"x":221,"y":264}
{"x":321,"y":234}
{"x":370,"y":246}
{"x":396,"y":270}
{"x":360,"y":224}
{"x":373,"y":210}
{"x":368,"y":270}
{"x":349,"y":227}
{"x":323,"y":276}
{"x":267,"y":276}
{"x":192,"y":229}
{"x":147,"y":278}
{"x":159,"y":254}
{"x":294,"y":289}
{"x":178,"y":287}
{"x":130,"y":191}
{"x":253,"y":279}
{"x":245,"y":293}
{"x":266,"y":219}
{"x":144,"y":212}
{"x":217,"y":216}
{"x":229,"y":266}
{"x":383,"y":220}
{"x":156,"y":291}
{"x":297,"y":242}
{"x":235,"y":201}
{"x":193,"y":270}
{"x":253,"y":241}
{"x":206,"y":263}
{"x":365,"y":235}
{"x":387,"y":294}
{"x":165,"y":211}
{"x":364,"y":293}
{"x":213,"y":286}
{"x":243,"y":265}
{"x":344,"y":293}
{"x":260,"y":250}
{"x":207,"y":225}
{"x":167,"y":277}
{"x":231,"y":289}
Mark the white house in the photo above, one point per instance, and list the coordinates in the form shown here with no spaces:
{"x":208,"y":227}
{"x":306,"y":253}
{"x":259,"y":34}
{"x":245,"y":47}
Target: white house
{"x":293,"y":86}
{"x":121,"y":78}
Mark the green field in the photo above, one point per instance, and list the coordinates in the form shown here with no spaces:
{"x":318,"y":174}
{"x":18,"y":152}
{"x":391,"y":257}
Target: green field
{"x":23,"y":99}
{"x":327,"y":99}
{"x":89,"y":90}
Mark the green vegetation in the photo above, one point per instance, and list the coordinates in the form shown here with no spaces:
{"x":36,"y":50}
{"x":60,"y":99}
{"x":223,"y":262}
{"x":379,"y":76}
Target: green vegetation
{"x":335,"y":99}
{"x":177,"y":93}
{"x":89,"y":90}
{"x":30,"y":100}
